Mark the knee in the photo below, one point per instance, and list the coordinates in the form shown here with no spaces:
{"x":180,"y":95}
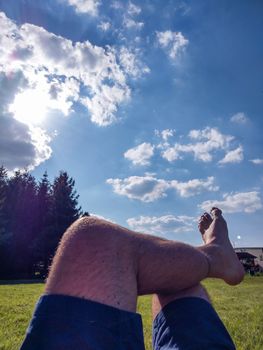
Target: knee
{"x":159,"y":301}
{"x":83,"y":231}
{"x":93,"y":238}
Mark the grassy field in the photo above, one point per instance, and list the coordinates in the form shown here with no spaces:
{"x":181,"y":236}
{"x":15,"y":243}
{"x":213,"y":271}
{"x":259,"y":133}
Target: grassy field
{"x":241,"y":309}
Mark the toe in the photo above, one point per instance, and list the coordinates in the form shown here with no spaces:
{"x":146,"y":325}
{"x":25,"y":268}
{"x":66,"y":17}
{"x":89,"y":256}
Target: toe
{"x":207,"y":217}
{"x":204,"y":222}
{"x":216,"y":212}
{"x":201,"y":227}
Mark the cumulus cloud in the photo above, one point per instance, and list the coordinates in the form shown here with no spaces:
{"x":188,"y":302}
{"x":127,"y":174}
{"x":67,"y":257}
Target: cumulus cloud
{"x":85,"y":6}
{"x":194,"y":187}
{"x":129,"y":20}
{"x":234,"y":156}
{"x":133,"y":9}
{"x":148,"y":188}
{"x":104,"y":105}
{"x":117,"y":5}
{"x":239,"y":118}
{"x":165,"y":134}
{"x":57,"y":67}
{"x":247,"y":202}
{"x":161,"y":225}
{"x":172,"y":42}
{"x":22,"y":146}
{"x":104,"y":26}
{"x":141,"y":154}
{"x":144,"y":188}
{"x":131,"y":23}
{"x":257,"y":161}
{"x":131,"y":63}
{"x":206,"y":142}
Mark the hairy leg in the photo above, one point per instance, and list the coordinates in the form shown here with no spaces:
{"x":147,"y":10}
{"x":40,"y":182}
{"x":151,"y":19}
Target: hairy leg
{"x":167,"y":267}
{"x":159,"y":301}
{"x":104,"y":262}
{"x":96,"y":260}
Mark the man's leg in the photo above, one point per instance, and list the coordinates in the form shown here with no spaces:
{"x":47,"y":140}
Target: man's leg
{"x":186,"y":319}
{"x":104,"y":262}
{"x":167,"y":266}
{"x":159,"y":301}
{"x":108,"y":264}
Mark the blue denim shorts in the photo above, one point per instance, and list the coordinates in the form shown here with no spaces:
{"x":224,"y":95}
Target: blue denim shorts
{"x":69,"y":323}
{"x":190,"y":324}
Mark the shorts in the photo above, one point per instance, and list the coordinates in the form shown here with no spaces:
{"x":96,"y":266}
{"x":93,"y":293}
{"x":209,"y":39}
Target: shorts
{"x":69,"y":323}
{"x":190,"y":324}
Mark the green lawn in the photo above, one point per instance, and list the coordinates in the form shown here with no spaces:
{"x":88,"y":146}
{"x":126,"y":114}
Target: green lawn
{"x":241,"y":309}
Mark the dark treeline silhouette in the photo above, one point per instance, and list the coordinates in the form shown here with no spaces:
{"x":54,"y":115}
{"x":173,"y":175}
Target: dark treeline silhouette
{"x":33,"y":217}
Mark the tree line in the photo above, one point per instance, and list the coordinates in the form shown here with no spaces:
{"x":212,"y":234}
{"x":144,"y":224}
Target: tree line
{"x":33,"y":217}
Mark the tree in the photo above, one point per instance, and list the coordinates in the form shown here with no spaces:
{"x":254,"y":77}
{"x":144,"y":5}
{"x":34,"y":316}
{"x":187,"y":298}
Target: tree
{"x":22,"y":212}
{"x":64,"y":211}
{"x":33,"y":218}
{"x":44,"y":226}
{"x":5,"y":235}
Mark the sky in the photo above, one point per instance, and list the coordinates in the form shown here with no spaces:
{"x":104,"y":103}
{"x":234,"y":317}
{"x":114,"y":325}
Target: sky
{"x":153,"y":107}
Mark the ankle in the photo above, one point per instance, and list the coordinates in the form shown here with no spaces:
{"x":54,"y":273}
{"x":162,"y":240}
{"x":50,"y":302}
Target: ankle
{"x":213,"y":254}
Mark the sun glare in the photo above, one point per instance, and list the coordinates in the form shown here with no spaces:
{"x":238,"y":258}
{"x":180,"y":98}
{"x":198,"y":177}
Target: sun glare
{"x":30,"y":106}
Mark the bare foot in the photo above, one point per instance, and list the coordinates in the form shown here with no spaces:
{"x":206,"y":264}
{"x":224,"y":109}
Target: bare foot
{"x":224,"y":262}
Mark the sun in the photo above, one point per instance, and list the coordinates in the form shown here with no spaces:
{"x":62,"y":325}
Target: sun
{"x":30,"y":106}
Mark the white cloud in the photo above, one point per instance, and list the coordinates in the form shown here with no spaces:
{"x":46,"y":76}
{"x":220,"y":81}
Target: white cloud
{"x":144,"y":188}
{"x":133,"y":9}
{"x":247,"y":202}
{"x":104,"y":26}
{"x":161,"y":225}
{"x":40,"y":141}
{"x":256,"y":161}
{"x":171,"y":153}
{"x":22,"y":146}
{"x":194,"y":187}
{"x":141,"y":154}
{"x":131,"y":63}
{"x":165,"y":134}
{"x":208,"y":141}
{"x":149,"y":188}
{"x":234,"y":156}
{"x":173,"y":42}
{"x":239,"y":118}
{"x":131,"y":23}
{"x":104,"y":104}
{"x":117,"y":5}
{"x":55,"y":68}
{"x":128,"y":20}
{"x":85,"y":6}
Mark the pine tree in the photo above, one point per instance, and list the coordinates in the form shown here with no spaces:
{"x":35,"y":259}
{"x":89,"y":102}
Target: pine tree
{"x":5,"y":235}
{"x":44,"y":227}
{"x":22,"y":211}
{"x":64,"y":211}
{"x":33,"y":218}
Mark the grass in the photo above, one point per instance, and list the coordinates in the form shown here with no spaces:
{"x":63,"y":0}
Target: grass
{"x":240,"y":307}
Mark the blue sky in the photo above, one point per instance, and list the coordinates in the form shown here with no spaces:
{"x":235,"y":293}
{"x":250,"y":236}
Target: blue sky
{"x":154,"y":107}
